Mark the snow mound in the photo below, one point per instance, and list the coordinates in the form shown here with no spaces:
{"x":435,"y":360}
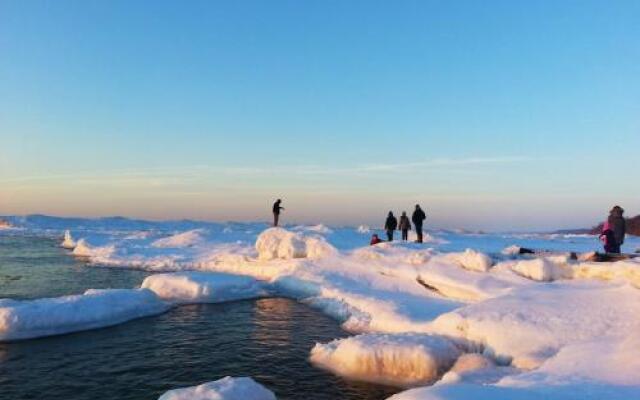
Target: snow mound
{"x":363,"y":229}
{"x":185,"y":239}
{"x":530,"y":325}
{"x":223,"y":389}
{"x":198,"y":287}
{"x":540,"y":269}
{"x":96,"y":253}
{"x":472,"y":260}
{"x":68,"y":242}
{"x":94,"y":309}
{"x":403,"y":360}
{"x":278,"y":243}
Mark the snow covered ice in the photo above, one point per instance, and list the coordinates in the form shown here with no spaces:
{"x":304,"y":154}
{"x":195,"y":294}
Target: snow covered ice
{"x":223,"y":389}
{"x":465,"y":314}
{"x":94,"y":309}
{"x":199,"y":287}
{"x":404,"y":359}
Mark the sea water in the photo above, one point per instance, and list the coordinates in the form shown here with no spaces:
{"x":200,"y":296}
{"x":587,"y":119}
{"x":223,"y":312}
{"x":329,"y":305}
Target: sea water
{"x":267,"y":339}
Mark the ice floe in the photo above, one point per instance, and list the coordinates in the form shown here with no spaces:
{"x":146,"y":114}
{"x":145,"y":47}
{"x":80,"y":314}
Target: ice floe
{"x":26,"y":319}
{"x":200,"y":287}
{"x":404,"y":360}
{"x":223,"y":389}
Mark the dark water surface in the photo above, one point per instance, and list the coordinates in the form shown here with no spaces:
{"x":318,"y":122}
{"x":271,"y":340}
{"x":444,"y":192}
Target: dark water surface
{"x":267,"y":339}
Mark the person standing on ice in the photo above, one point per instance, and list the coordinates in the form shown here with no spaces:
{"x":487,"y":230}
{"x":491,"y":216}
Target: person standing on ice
{"x":276,"y":212}
{"x":390,"y":225}
{"x":618,"y":226}
{"x":608,"y":238}
{"x":418,"y":218}
{"x":404,"y":226}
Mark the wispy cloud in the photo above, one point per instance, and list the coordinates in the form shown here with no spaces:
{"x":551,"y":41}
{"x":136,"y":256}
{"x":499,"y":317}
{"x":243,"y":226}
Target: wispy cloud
{"x":180,"y":175}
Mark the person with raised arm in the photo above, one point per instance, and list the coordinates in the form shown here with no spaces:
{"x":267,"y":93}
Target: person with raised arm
{"x":276,"y":212}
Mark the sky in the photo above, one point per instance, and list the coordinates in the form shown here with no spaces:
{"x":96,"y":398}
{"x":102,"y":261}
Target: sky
{"x":494,"y":115}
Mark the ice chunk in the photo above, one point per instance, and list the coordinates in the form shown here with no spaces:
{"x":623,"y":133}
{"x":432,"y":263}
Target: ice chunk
{"x":94,"y":309}
{"x":185,"y":239}
{"x":511,"y":250}
{"x":540,"y":269}
{"x":403,"y":359}
{"x":223,"y":389}
{"x":278,"y":243}
{"x":198,"y":287}
{"x":474,"y":261}
{"x":96,"y":253}
{"x":68,"y":242}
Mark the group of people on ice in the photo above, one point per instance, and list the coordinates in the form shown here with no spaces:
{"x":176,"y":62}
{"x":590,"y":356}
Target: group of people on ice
{"x":404,"y":225}
{"x":612,"y":235}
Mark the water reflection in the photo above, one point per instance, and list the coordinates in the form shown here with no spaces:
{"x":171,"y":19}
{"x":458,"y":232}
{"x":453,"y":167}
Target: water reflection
{"x":272,"y":322}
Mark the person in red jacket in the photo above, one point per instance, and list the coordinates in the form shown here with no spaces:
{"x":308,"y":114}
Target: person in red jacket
{"x":375,"y":240}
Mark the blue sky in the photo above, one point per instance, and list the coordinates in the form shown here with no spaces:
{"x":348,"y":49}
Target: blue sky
{"x":493,"y":115}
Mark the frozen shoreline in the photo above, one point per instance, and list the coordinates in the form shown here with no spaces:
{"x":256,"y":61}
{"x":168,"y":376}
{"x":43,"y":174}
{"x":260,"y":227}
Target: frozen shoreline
{"x":557,"y":313}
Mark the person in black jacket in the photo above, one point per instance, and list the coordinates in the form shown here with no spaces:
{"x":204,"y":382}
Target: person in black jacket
{"x":276,"y":211}
{"x":390,"y":225}
{"x":418,"y":218}
{"x":404,"y":225}
{"x":619,"y":227}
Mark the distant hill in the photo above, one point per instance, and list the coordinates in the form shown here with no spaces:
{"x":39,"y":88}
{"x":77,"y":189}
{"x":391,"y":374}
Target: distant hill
{"x":633,"y":226}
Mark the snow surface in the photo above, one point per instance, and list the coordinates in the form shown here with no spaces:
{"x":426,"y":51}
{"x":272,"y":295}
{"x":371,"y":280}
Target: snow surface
{"x":184,"y":239}
{"x":223,"y":389}
{"x":94,"y":309}
{"x":465,"y":311}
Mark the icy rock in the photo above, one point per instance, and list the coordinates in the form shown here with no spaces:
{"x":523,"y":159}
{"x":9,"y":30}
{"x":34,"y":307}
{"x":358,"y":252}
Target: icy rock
{"x":198,"y":287}
{"x":68,"y":242}
{"x":94,"y":309}
{"x":540,"y":269}
{"x":278,"y":243}
{"x":402,"y":359}
{"x":223,"y":389}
